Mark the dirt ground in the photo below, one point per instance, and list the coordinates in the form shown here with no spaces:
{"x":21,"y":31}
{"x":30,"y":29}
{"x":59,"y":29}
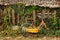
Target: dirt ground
{"x":29,"y":38}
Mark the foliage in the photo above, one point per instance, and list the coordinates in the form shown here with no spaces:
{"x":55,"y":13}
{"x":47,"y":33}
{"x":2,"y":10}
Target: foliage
{"x":21,"y":9}
{"x":57,"y":33}
{"x":9,"y":32}
{"x":29,"y":9}
{"x":5,"y":22}
{"x":54,"y":19}
{"x":59,"y":22}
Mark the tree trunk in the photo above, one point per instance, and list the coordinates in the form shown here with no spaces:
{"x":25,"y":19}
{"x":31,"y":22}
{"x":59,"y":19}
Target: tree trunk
{"x":9,"y":14}
{"x":17,"y":18}
{"x":13,"y":17}
{"x":34,"y":16}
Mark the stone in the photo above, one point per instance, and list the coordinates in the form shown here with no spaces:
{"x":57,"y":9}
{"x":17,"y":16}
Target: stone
{"x":15,"y":27}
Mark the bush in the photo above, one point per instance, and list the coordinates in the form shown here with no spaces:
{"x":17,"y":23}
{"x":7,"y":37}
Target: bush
{"x":57,"y":33}
{"x":51,"y":32}
{"x":9,"y":32}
